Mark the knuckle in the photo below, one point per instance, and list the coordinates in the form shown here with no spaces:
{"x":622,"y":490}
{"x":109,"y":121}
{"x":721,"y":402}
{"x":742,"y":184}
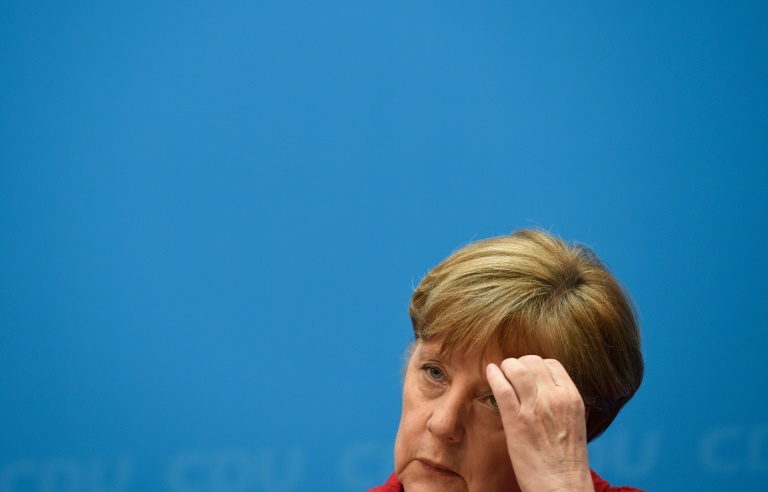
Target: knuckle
{"x":553,"y":362}
{"x":513,"y":366}
{"x":572,"y":394}
{"x":577,"y":401}
{"x":570,"y":401}
{"x":530,"y":358}
{"x":526,"y":414}
{"x":504,"y":392}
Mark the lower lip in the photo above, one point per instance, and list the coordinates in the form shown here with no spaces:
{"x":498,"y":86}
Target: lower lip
{"x":438,"y":471}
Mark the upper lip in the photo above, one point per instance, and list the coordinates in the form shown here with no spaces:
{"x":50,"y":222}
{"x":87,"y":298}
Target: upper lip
{"x":437,"y":465}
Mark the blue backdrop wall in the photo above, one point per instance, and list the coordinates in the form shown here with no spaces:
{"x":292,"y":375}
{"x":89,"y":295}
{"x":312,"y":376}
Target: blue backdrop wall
{"x":212,"y":215}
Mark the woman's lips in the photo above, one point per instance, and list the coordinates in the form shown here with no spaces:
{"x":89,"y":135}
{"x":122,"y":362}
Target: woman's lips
{"x":437,"y":468}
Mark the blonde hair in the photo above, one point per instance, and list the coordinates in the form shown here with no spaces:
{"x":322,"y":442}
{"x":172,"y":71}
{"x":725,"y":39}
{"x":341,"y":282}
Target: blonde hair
{"x":532,"y":293}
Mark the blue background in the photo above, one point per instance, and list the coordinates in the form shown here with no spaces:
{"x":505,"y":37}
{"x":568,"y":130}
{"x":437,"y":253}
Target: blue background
{"x":212,"y":215}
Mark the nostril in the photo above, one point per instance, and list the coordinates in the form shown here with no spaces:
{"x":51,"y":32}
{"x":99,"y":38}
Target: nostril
{"x":446,"y":422}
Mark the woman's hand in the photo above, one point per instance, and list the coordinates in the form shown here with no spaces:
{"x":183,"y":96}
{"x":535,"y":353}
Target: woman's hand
{"x":544,"y":421}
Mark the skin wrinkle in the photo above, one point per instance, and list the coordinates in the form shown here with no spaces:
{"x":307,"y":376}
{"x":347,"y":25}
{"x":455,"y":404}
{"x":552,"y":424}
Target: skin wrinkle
{"x":453,"y":422}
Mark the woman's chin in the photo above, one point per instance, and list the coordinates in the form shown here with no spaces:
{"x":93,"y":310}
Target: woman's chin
{"x":421,"y":476}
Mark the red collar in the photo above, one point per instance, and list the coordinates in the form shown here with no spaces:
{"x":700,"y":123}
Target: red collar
{"x":393,"y":485}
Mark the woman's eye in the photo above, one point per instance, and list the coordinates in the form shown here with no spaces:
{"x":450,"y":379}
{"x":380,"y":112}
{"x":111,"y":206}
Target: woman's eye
{"x":492,"y":401}
{"x":434,"y":373}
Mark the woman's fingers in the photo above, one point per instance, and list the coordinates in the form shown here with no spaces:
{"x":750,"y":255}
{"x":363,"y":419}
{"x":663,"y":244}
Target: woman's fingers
{"x":522,"y":379}
{"x":559,"y":374}
{"x":527,"y":376}
{"x":502,"y":390}
{"x":531,"y":382}
{"x":543,"y":418}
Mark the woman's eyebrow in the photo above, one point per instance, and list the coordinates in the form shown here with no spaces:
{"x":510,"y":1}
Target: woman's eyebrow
{"x":432,"y":353}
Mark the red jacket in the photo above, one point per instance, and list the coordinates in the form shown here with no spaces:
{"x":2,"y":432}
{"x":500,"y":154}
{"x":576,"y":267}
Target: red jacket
{"x":393,"y":485}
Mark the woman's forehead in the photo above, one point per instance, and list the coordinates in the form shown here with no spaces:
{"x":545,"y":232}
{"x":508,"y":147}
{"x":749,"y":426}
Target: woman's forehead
{"x":436,"y":349}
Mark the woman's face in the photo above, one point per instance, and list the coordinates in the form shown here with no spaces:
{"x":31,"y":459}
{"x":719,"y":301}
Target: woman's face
{"x":450,"y":436}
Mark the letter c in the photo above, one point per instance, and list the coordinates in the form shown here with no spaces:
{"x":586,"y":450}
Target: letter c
{"x":708,"y":450}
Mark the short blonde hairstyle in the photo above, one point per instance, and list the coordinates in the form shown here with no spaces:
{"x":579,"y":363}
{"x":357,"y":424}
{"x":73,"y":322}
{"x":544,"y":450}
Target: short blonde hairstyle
{"x":533,"y":293}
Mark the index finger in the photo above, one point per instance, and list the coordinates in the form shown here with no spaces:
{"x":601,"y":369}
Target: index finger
{"x":502,"y":389}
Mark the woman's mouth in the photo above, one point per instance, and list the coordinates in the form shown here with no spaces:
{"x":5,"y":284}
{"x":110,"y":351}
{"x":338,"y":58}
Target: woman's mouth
{"x":436,"y":468}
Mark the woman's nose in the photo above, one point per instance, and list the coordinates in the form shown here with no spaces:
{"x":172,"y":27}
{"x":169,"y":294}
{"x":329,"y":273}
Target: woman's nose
{"x":447,"y":419}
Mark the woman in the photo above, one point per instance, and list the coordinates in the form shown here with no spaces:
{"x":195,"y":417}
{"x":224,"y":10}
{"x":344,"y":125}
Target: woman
{"x":526,"y":348}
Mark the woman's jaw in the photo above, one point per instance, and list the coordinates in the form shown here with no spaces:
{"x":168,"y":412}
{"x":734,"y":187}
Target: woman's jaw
{"x":450,"y":436}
